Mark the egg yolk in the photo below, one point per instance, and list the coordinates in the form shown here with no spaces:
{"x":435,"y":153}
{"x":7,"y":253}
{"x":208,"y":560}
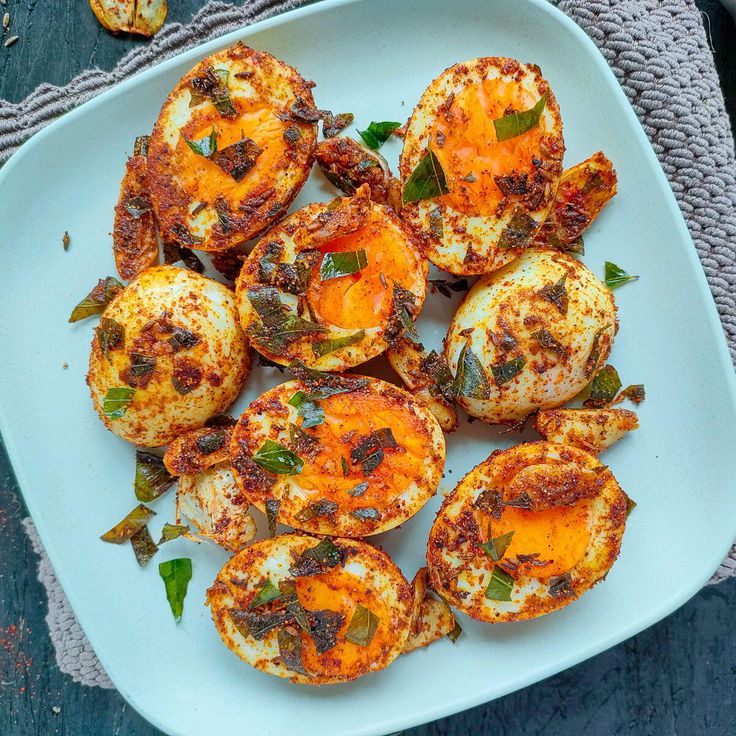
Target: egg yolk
{"x":326,"y":476}
{"x":558,"y":536}
{"x":340,"y":591}
{"x":464,"y":140}
{"x":363,"y":299}
{"x":204,"y":180}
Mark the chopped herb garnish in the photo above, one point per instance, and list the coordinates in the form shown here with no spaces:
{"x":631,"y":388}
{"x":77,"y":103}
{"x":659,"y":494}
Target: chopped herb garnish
{"x":116,"y":401}
{"x":426,"y":181}
{"x":518,"y":123}
{"x":342,"y":263}
{"x":358,"y":490}
{"x":137,"y":206}
{"x":307,"y":408}
{"x":635,"y":393}
{"x":604,"y":387}
{"x":204,"y":146}
{"x":275,"y":458}
{"x":561,"y":586}
{"x":110,"y":335}
{"x":547,"y":340}
{"x":504,"y":372}
{"x":556,"y":294}
{"x":96,"y":301}
{"x":323,"y":507}
{"x":496,"y":546}
{"x":325,"y":347}
{"x":133,"y":522}
{"x":518,"y":233}
{"x":435,"y":366}
{"x":141,"y":368}
{"x":369,"y":451}
{"x":377,"y":133}
{"x":445,"y":287}
{"x":151,"y":477}
{"x":333,"y":124}
{"x":470,"y":379}
{"x":143,"y":546}
{"x":273,"y":507}
{"x":362,"y":626}
{"x":176,"y":575}
{"x":500,"y":585}
{"x":221,"y":97}
{"x":290,"y":650}
{"x":209,"y":443}
{"x":369,"y":513}
{"x":490,"y":501}
{"x":616,"y":276}
{"x":238,"y":158}
{"x":172,"y":531}
{"x":267,"y":592}
{"x":315,"y":560}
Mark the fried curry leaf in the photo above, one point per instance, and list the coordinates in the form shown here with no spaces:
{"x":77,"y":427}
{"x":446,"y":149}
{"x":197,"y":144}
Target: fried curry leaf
{"x":377,"y":133}
{"x":209,"y":443}
{"x":594,"y":356}
{"x":556,"y":294}
{"x":333,"y":124}
{"x":143,"y":545}
{"x":325,"y":347}
{"x":172,"y":531}
{"x":275,"y":458}
{"x":221,"y":97}
{"x":110,"y":335}
{"x":290,"y":650}
{"x":369,"y":451}
{"x":322,"y":385}
{"x":500,"y":585}
{"x":307,"y":408}
{"x":470,"y":379}
{"x":176,"y":575}
{"x":445,"y":287}
{"x":362,"y":626}
{"x":137,"y":206}
{"x":342,"y":263}
{"x":345,"y":467}
{"x":518,"y":123}
{"x":324,"y":626}
{"x":116,"y":401}
{"x":630,"y":504}
{"x":490,"y":501}
{"x":267,"y":592}
{"x":547,"y":340}
{"x":635,"y":392}
{"x":426,"y":181}
{"x":496,"y":546}
{"x":616,"y":276}
{"x":273,"y":506}
{"x":604,"y":387}
{"x":368,"y":513}
{"x":504,"y":372}
{"x":133,"y":522}
{"x":256,"y":624}
{"x":315,"y":560}
{"x":518,"y":233}
{"x":358,"y":490}
{"x":238,"y":158}
{"x":151,"y":477}
{"x":561,"y":586}
{"x":454,"y":635}
{"x":323,"y":507}
{"x":96,"y":301}
{"x":204,"y":146}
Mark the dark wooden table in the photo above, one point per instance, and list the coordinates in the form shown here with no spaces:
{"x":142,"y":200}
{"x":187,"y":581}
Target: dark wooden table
{"x":678,"y":677}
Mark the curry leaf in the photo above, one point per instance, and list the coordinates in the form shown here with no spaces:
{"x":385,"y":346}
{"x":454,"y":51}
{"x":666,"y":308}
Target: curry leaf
{"x":635,"y":392}
{"x":110,"y":335}
{"x":505,"y":372}
{"x":133,"y":522}
{"x":275,"y":458}
{"x":496,"y":546}
{"x":307,"y":408}
{"x":176,"y":575}
{"x":362,"y":626}
{"x":358,"y":490}
{"x":342,"y":263}
{"x":273,"y":505}
{"x":315,"y":560}
{"x":426,"y":181}
{"x":172,"y":531}
{"x":204,"y":146}
{"x":290,"y":650}
{"x":616,"y":276}
{"x":266,"y":593}
{"x":368,"y":513}
{"x":325,"y":347}
{"x":518,"y":123}
{"x":151,"y":477}
{"x":116,"y":401}
{"x":500,"y":585}
{"x":209,"y":443}
{"x":143,"y":546}
{"x":604,"y":387}
{"x":377,"y":133}
{"x":470,"y":379}
{"x":96,"y":301}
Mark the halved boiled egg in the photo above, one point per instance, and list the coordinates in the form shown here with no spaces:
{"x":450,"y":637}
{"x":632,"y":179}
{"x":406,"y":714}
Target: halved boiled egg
{"x":529,"y":336}
{"x":332,"y":285}
{"x":167,"y":355}
{"x":232,"y":146}
{"x":526,"y":532}
{"x":343,"y":455}
{"x":317,"y":612}
{"x":481,"y":160}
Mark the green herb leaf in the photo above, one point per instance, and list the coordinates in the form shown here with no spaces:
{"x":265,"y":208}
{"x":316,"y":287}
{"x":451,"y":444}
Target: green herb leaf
{"x":267,"y":593}
{"x":221,"y":98}
{"x":500,"y":585}
{"x":377,"y":133}
{"x":133,"y":522}
{"x":362,"y":626}
{"x":275,"y":458}
{"x":496,"y":546}
{"x":176,"y":575}
{"x":322,"y":385}
{"x":547,"y":340}
{"x":151,"y":477}
{"x":604,"y":387}
{"x":504,"y":372}
{"x":315,"y":560}
{"x":273,"y":507}
{"x":518,"y":233}
{"x":616,"y":276}
{"x":290,"y":650}
{"x":325,"y":347}
{"x":209,"y":443}
{"x":369,"y":451}
{"x":96,"y":301}
{"x":454,"y":635}
{"x":307,"y":408}
{"x":137,"y":206}
{"x":256,"y":624}
{"x":342,"y":263}
{"x":323,"y":507}
{"x":116,"y":401}
{"x":556,"y":294}
{"x":471,"y":379}
{"x":172,"y":531}
{"x":426,"y":181}
{"x":368,"y":513}
{"x":143,"y":546}
{"x":204,"y":146}
{"x":635,"y":392}
{"x":358,"y":490}
{"x":518,"y":123}
{"x":110,"y":335}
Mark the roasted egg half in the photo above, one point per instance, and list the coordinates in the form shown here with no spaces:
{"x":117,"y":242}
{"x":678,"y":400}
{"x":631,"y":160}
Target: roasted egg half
{"x":232,"y":147}
{"x":332,"y":285}
{"x":343,"y":455}
{"x":487,"y":133}
{"x":529,"y":336}
{"x":167,"y":355}
{"x":317,"y":612}
{"x":526,"y":532}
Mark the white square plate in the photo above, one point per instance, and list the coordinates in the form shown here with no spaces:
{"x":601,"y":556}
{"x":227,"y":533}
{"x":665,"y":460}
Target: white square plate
{"x":374,"y":59}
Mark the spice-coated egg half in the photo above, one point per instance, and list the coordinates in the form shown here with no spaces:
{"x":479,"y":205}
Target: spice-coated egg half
{"x":490,"y":131}
{"x":232,"y":147}
{"x":332,"y":285}
{"x":167,"y":355}
{"x":345,"y":455}
{"x":317,"y":612}
{"x":526,"y":532}
{"x":529,"y":336}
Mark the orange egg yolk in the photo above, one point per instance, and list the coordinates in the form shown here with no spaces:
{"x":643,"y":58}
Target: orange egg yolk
{"x":400,"y":466}
{"x":361,"y":300}
{"x":559,"y":536}
{"x":204,"y":180}
{"x":471,"y":155}
{"x":340,"y":591}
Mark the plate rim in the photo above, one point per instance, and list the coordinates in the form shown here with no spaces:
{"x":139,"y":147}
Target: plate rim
{"x":399,"y":722}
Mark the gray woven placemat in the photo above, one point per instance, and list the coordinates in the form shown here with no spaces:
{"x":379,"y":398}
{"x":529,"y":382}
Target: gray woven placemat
{"x":659,"y":52}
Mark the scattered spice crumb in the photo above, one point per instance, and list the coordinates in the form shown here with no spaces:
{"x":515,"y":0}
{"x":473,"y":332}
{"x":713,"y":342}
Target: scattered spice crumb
{"x":10,"y":41}
{"x":65,"y":240}
{"x":65,"y":365}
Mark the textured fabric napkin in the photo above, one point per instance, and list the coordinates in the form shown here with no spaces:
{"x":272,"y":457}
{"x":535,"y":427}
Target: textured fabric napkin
{"x":660,"y":55}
